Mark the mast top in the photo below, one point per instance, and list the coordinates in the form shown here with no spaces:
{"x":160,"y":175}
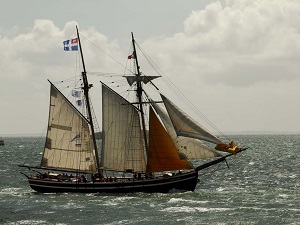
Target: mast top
{"x":135,"y":56}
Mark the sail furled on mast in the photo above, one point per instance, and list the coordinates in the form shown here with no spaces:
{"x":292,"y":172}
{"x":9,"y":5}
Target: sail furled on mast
{"x":162,"y":154}
{"x":185,"y":126}
{"x":68,"y":143}
{"x":144,"y":79}
{"x":122,"y":145}
{"x":190,"y":147}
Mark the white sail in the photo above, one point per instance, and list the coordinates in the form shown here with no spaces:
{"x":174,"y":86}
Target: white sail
{"x":185,"y":126}
{"x":68,"y":143}
{"x":190,"y":147}
{"x":122,"y":146}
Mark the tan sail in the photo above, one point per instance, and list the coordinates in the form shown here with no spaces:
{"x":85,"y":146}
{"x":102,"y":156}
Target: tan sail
{"x":185,"y":126}
{"x":68,"y":143}
{"x":163,"y":155}
{"x":122,"y":146}
{"x":190,"y":147}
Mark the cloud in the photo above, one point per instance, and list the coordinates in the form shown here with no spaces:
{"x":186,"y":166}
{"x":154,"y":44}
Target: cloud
{"x":28,"y":59}
{"x":238,"y":43}
{"x":237,"y":59}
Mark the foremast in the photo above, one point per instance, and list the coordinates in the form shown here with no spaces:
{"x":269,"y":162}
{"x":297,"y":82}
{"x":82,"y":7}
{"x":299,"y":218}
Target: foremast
{"x":139,"y":91}
{"x":86,"y":87}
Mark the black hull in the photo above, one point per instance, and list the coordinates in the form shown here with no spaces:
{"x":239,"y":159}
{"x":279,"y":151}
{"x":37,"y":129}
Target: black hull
{"x":180,"y":182}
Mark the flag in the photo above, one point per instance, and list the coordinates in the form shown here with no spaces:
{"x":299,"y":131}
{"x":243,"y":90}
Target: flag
{"x":76,"y":137}
{"x":79,"y":102}
{"x":131,"y":56}
{"x":71,"y":45}
{"x":76,"y":93}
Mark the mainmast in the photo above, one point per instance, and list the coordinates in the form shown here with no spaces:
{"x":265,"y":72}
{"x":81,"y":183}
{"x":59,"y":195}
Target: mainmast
{"x":86,"y":87}
{"x":139,"y":93}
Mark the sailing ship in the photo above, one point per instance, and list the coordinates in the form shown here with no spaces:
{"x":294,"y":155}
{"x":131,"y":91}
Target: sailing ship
{"x":150,"y":154}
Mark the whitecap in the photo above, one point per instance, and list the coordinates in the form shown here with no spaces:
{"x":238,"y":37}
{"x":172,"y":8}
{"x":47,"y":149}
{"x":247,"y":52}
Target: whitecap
{"x":213,"y":209}
{"x":30,"y":222}
{"x":187,"y":209}
{"x":117,"y":201}
{"x":119,"y":222}
{"x":111,"y":203}
{"x":175,"y":200}
{"x":69,"y":206}
{"x":220,"y":189}
{"x":10,"y":191}
{"x":180,"y":209}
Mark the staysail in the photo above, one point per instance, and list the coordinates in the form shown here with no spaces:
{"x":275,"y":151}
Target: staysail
{"x":190,"y":147}
{"x":68,"y":144}
{"x":122,"y":146}
{"x":185,"y":126}
{"x":162,"y":154}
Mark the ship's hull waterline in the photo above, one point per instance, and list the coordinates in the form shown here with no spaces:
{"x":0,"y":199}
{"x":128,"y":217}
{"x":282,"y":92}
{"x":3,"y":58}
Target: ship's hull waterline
{"x":175,"y":183}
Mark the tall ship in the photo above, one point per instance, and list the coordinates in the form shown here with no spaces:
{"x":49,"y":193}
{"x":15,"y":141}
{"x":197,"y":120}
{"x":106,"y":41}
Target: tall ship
{"x":146,"y":145}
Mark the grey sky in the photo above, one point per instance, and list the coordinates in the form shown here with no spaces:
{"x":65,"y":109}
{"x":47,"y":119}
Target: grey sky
{"x":236,"y":60}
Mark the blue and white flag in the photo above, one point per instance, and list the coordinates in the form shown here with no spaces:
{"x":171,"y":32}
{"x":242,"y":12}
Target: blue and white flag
{"x":77,"y":137}
{"x":79,"y":102}
{"x":76,"y":93}
{"x":71,"y":45}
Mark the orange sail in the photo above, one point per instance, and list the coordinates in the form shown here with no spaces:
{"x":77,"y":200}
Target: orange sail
{"x":162,"y":153}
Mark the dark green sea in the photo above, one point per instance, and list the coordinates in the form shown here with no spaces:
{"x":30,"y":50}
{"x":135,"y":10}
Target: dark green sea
{"x":261,"y":186}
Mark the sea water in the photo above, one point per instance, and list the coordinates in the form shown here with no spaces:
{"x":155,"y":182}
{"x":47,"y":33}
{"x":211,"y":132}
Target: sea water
{"x":259,"y":186}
